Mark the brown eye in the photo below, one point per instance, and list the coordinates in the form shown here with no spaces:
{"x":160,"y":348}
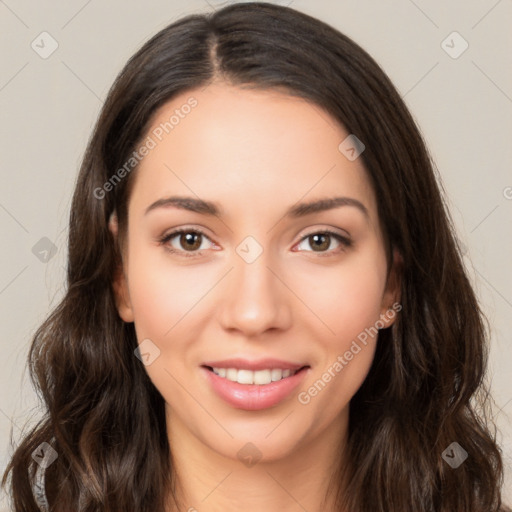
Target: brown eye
{"x":183,"y":241}
{"x":190,"y":241}
{"x":321,"y":241}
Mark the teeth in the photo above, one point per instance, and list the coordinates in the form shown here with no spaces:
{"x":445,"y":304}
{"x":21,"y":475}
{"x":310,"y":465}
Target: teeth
{"x":249,"y":377}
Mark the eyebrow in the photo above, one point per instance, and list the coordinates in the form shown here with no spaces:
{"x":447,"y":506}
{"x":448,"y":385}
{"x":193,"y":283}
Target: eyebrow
{"x":295,"y":211}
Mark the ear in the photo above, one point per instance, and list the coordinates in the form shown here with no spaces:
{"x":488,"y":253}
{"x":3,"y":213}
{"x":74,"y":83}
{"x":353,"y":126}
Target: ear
{"x":391,"y":297}
{"x":120,"y":281}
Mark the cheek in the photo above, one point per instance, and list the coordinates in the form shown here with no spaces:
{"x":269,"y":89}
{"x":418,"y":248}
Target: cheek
{"x":348,"y":301}
{"x":345,"y":297}
{"x":348,"y":297}
{"x":166,"y":302}
{"x":163,"y":293}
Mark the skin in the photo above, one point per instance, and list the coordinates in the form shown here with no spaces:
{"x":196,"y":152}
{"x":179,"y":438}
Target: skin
{"x":256,"y":153}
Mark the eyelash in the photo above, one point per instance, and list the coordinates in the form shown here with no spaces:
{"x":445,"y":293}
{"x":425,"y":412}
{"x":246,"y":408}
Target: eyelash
{"x":344,"y":241}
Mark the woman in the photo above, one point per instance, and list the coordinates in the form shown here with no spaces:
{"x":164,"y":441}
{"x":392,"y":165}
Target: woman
{"x":266,"y":304}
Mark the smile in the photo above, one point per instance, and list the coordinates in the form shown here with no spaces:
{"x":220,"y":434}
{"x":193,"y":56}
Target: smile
{"x":259,"y":377}
{"x":253,"y":386}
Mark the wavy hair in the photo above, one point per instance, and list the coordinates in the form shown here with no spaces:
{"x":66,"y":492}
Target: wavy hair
{"x":426,"y":387}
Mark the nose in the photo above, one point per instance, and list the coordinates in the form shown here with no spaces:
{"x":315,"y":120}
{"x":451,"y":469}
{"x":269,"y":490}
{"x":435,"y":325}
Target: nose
{"x":256,"y":299}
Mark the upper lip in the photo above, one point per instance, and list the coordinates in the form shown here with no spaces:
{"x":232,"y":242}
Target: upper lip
{"x":260,"y":364}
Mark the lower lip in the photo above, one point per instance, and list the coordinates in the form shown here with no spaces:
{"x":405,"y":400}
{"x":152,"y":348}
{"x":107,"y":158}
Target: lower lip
{"x":254,"y":397}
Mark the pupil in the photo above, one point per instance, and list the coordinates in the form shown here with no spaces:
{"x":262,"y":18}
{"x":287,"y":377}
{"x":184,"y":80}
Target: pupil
{"x":189,"y":237}
{"x":320,"y":241}
{"x":323,"y":245}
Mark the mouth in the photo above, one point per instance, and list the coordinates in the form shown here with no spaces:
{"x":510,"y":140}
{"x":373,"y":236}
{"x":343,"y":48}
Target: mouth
{"x":254,"y":389}
{"x":258,"y":377}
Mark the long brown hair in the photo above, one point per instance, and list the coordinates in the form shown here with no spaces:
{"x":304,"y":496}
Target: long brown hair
{"x":425,"y":389}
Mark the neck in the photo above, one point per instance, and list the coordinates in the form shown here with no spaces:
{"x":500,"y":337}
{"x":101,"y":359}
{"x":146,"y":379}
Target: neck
{"x":207,"y":481}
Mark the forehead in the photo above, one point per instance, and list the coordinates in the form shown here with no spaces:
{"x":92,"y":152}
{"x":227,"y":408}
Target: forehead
{"x":246,"y":147}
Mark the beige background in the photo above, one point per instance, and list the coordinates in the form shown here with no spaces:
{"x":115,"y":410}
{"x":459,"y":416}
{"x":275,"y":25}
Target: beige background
{"x":463,"y":106}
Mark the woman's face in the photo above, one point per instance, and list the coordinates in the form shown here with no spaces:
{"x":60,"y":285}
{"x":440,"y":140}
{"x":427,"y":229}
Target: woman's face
{"x":253,"y":278}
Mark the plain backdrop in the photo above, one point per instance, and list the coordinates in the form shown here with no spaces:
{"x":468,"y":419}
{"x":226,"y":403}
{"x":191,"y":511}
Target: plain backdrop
{"x":458,"y":87}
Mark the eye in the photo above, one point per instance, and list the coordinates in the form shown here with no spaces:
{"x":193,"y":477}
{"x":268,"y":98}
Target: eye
{"x":188,"y":241}
{"x":321,"y":241}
